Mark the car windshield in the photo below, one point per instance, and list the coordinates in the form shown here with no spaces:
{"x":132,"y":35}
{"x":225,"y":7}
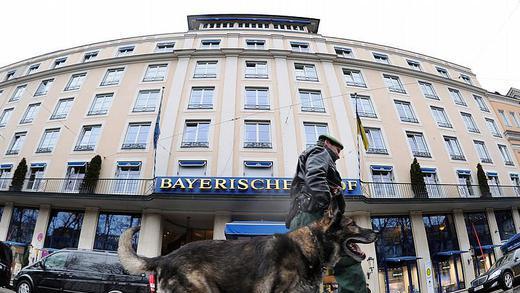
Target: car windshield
{"x":502,"y":261}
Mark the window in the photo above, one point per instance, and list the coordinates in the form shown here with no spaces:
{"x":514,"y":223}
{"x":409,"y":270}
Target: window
{"x":255,"y":44}
{"x":257,"y":98}
{"x":113,"y":76}
{"x":5,"y":176}
{"x":354,"y":77}
{"x":257,"y":134}
{"x":6,"y":115}
{"x":88,"y":138}
{"x":457,"y":97}
{"x":62,"y":109}
{"x":393,"y":83}
{"x":442,"y":72}
{"x":493,"y":128}
{"x":30,"y":113}
{"x":432,"y":183}
{"x":313,"y":131}
{"x":515,"y":120}
{"x":504,"y":118}
{"x":21,"y":226}
{"x":300,"y":47}
{"x":146,"y":101}
{"x":75,"y":82}
{"x":383,"y":178}
{"x":428,"y":90}
{"x":465,"y":186}
{"x":454,"y":149}
{"x":125,"y":51}
{"x":515,"y":180}
{"x":101,"y":104}
{"x":363,"y":106}
{"x":10,"y":75}
{"x":311,"y":101}
{"x":192,"y":167}
{"x":258,"y":169}
{"x":63,"y":230}
{"x":16,"y":143}
{"x":305,"y":72}
{"x":36,"y":172}
{"x":164,"y":47}
{"x":196,"y":134}
{"x":494,"y":184}
{"x":376,"y":143}
{"x":381,"y":58}
{"x":110,"y":226}
{"x":418,"y":144}
{"x":127,"y":175}
{"x":415,"y":65}
{"x":256,"y":69}
{"x":210,"y":44}
{"x":33,"y":68}
{"x":482,"y":152}
{"x":505,"y":223}
{"x":471,"y":126}
{"x":466,"y":79}
{"x":155,"y":72}
{"x":48,"y":141}
{"x":405,"y":111}
{"x":136,"y":136}
{"x":90,"y":56}
{"x":44,"y":87}
{"x":205,"y":69}
{"x":75,"y":174}
{"x":481,"y":104}
{"x":201,"y":98}
{"x":440,"y":117}
{"x":18,"y":92}
{"x":344,"y":52}
{"x":59,"y":62}
{"x":505,"y":155}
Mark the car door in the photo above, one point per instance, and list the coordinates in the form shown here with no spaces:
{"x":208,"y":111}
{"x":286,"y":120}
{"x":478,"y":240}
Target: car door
{"x":84,"y":272}
{"x":49,"y":276}
{"x":119,"y":280}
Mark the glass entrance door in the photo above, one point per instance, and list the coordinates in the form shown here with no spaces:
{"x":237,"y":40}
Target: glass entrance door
{"x":448,"y":274}
{"x":399,"y":278}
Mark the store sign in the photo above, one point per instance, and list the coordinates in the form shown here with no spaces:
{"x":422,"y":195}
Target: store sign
{"x":238,"y":185}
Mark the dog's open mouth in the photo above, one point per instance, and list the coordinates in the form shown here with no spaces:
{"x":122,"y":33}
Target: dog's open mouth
{"x":353,"y":250}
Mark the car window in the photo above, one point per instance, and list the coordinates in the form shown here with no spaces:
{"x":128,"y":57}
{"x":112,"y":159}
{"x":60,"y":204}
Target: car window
{"x":113,"y":266}
{"x":501,"y":261}
{"x":81,"y":261}
{"x":56,"y":261}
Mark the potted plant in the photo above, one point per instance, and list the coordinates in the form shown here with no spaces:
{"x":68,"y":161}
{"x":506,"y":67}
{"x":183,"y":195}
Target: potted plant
{"x":19,"y":176}
{"x":417,"y":180}
{"x":483,"y":182}
{"x":91,"y":176}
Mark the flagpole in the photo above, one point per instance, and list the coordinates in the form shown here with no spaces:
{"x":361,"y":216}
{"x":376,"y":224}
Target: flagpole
{"x":156,"y":133}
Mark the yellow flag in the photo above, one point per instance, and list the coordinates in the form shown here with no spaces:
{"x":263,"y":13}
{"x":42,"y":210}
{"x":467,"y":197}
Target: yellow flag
{"x":361,"y":131}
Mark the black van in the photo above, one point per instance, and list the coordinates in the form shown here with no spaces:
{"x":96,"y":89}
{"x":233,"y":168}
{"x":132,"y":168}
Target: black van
{"x":79,"y":271}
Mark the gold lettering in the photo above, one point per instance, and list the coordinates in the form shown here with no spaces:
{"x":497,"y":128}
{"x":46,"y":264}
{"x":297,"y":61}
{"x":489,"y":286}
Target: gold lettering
{"x":232,"y":183}
{"x":286,"y":184}
{"x":343,"y":185}
{"x":191,"y":182}
{"x":268,"y":184}
{"x":352,"y":185}
{"x":178,"y":184}
{"x":242,"y":184}
{"x":254,"y":186}
{"x":220,"y":184}
{"x":166,"y":183}
{"x":205,"y":183}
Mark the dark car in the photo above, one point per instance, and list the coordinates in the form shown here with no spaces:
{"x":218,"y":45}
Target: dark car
{"x":6,"y":260}
{"x":502,"y":274}
{"x":79,"y":271}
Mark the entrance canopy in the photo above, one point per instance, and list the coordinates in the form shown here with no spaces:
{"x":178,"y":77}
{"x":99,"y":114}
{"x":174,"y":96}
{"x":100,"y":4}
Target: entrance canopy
{"x":401,"y":259}
{"x":450,"y":253}
{"x":511,"y":244}
{"x":254,"y":228}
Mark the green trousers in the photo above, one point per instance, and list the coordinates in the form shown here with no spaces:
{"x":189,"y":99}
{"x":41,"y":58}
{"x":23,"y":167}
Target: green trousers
{"x":348,"y":272}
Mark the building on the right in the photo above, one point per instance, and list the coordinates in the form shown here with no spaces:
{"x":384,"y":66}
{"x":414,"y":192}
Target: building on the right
{"x":507,"y":109}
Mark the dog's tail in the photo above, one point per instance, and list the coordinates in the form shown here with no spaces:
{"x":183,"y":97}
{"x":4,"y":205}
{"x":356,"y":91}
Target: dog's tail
{"x":132,"y":262}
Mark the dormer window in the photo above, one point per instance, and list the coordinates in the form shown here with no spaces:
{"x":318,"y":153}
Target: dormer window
{"x":300,"y":46}
{"x":255,"y":44}
{"x":344,"y":52}
{"x":209,"y":44}
{"x":381,"y":58}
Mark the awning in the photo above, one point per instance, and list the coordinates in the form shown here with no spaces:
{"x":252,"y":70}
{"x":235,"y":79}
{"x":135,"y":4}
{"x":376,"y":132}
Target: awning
{"x":258,"y":164}
{"x":6,"y":166}
{"x":464,"y":172}
{"x":491,"y":174}
{"x":401,"y":259}
{"x":38,"y":165}
{"x":129,"y":163}
{"x":511,"y":244}
{"x":254,"y":228}
{"x":192,"y":163}
{"x":485,"y":248}
{"x":429,"y":170}
{"x":381,"y":168}
{"x":450,"y":252}
{"x":76,"y":164}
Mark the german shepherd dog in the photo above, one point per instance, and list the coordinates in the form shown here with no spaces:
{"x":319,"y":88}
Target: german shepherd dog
{"x":291,"y":262}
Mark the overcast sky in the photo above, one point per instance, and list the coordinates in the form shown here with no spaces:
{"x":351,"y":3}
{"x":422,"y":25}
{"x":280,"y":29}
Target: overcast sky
{"x":482,"y":35}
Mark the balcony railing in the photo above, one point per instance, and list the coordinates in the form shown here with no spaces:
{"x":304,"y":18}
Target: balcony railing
{"x":257,"y":145}
{"x":313,"y":109}
{"x":133,"y":146}
{"x":194,"y":144}
{"x":409,"y":119}
{"x":12,"y":152}
{"x":458,"y":157}
{"x":256,"y":107}
{"x":486,"y":160}
{"x":421,"y":154}
{"x":377,"y":151}
{"x":86,"y":147}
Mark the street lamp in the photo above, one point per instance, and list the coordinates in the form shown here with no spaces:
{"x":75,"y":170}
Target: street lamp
{"x":370,"y":266}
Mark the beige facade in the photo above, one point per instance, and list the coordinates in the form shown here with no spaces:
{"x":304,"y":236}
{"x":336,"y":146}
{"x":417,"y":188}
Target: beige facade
{"x":507,"y":108}
{"x":299,"y":81}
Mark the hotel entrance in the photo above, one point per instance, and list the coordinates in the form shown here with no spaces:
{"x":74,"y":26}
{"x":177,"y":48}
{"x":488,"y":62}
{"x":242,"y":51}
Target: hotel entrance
{"x":181,"y":229}
{"x":400,"y":275}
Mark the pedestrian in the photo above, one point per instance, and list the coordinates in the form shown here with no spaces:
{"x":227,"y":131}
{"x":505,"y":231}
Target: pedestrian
{"x":314,"y":185}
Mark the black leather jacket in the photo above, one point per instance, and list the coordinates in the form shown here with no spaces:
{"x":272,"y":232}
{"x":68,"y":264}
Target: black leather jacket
{"x":315,"y":180}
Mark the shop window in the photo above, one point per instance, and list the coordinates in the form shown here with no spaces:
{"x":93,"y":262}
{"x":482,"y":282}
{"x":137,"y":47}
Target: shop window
{"x":63,"y":229}
{"x":192,"y":168}
{"x":22,"y":224}
{"x":259,"y":169}
{"x":111,"y":226}
{"x":506,"y":226}
{"x":480,"y":241}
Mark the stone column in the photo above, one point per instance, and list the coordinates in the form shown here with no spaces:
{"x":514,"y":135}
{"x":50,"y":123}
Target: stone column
{"x":493,"y":229}
{"x":363,"y":220}
{"x":462,"y":235}
{"x":6,"y":220}
{"x":40,"y":228}
{"x":219,"y":224}
{"x":516,"y":219}
{"x":88,"y":228}
{"x":422,"y":250}
{"x":150,"y":236}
